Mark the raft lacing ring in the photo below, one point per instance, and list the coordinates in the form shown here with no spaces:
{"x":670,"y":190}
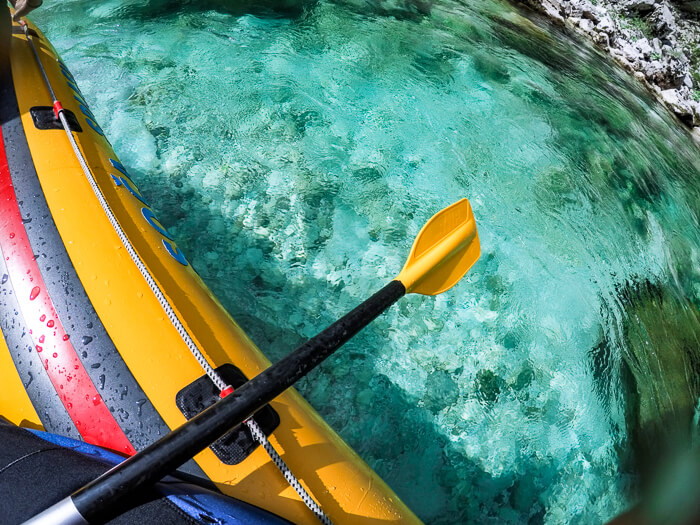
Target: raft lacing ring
{"x":255,"y":429}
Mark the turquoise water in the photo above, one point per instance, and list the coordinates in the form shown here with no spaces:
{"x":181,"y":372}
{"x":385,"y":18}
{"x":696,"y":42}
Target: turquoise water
{"x":296,"y":154}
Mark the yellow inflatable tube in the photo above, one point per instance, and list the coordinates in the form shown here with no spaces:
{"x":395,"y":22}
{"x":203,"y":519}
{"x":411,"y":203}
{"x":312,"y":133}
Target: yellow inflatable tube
{"x":88,"y":351}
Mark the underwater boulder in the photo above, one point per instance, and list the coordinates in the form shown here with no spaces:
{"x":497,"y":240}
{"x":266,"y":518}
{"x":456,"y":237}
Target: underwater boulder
{"x":656,"y":368}
{"x":257,"y":7}
{"x":150,"y":9}
{"x":399,"y":9}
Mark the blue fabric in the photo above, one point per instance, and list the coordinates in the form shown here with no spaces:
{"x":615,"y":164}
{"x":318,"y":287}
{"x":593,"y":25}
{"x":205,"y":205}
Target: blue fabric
{"x":197,"y":502}
{"x":215,"y":508}
{"x":79,"y":446}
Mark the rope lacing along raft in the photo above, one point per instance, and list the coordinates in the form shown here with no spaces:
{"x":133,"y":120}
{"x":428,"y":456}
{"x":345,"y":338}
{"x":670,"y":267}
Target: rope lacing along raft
{"x":224,"y":389}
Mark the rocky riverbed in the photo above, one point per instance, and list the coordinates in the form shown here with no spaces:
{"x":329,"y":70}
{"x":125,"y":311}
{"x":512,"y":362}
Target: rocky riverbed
{"x":657,"y":40}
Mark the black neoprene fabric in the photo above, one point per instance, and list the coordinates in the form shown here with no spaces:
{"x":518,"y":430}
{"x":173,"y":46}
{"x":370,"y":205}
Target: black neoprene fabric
{"x":35,"y":474}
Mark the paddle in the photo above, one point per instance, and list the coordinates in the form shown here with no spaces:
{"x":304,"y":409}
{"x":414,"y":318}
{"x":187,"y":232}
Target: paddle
{"x":445,"y":249}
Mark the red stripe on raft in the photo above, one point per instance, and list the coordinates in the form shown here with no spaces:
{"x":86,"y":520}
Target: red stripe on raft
{"x":76,"y":391}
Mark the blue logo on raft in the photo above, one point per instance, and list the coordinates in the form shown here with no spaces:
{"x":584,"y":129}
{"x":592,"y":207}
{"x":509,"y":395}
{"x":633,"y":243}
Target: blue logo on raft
{"x":77,"y":95}
{"x":124,"y":179}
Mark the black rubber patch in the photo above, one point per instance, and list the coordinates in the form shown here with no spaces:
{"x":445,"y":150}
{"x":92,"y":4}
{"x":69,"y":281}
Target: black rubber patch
{"x":238,"y":444}
{"x":45,"y":118}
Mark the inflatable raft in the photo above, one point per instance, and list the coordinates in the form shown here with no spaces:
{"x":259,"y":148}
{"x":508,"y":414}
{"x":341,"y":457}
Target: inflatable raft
{"x":108,"y":334}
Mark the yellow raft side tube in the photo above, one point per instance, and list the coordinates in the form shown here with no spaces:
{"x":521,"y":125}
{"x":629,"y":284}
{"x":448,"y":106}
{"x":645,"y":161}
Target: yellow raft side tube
{"x":346,"y":488}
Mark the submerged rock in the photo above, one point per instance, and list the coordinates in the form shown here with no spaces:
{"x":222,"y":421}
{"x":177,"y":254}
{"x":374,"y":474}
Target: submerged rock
{"x":400,"y":9}
{"x":655,"y":367}
{"x":441,"y":391}
{"x":488,"y":386}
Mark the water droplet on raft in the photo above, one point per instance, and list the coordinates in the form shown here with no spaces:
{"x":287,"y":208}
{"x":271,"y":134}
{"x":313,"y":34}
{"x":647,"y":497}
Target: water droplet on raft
{"x":42,"y":318}
{"x":27,"y":220}
{"x":102,"y":381}
{"x":84,"y":354}
{"x":86,"y":339}
{"x":66,"y":337}
{"x":55,"y":354}
{"x":41,"y":339}
{"x":70,"y":405}
{"x":5,"y":277}
{"x":12,"y":235}
{"x":50,"y":323}
{"x":38,"y":348}
{"x":96,"y":400}
{"x":34,"y":293}
{"x":140,"y":404}
{"x":46,"y":365}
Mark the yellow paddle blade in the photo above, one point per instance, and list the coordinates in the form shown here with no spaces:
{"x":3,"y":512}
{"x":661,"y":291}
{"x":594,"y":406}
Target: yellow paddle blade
{"x":445,"y":249}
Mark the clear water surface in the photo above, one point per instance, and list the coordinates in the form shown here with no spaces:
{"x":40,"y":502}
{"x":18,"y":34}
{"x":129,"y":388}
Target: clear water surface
{"x":296,"y":154}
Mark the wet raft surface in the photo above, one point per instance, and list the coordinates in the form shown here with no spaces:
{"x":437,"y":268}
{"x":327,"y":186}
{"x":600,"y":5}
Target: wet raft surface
{"x":295,"y":155}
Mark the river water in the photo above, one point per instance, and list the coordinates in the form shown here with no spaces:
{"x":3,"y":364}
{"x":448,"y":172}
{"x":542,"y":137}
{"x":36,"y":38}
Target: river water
{"x":295,"y":154}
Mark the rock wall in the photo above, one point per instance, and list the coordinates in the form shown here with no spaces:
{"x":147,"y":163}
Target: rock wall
{"x":657,"y":40}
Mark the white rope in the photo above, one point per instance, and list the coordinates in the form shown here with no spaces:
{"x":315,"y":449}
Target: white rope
{"x":260,"y":437}
{"x":254,"y":428}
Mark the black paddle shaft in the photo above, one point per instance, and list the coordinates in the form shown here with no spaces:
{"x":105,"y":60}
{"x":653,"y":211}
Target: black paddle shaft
{"x":101,"y":497}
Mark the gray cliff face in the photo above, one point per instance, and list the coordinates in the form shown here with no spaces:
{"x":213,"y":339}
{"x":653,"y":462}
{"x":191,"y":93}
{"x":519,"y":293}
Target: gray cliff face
{"x":657,"y":40}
